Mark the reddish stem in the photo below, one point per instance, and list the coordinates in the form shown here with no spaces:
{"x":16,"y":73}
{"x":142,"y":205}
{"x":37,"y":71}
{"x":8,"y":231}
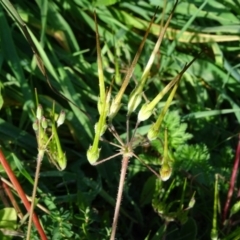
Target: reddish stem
{"x":21,"y":194}
{"x":232,"y":181}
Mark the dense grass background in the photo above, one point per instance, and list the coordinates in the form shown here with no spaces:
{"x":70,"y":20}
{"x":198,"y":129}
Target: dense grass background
{"x":81,"y":198}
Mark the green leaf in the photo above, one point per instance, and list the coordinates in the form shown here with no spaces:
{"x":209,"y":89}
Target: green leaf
{"x":10,"y":52}
{"x":192,"y":156}
{"x":99,"y":3}
{"x":148,"y":191}
{"x":8,"y":218}
{"x":235,"y":208}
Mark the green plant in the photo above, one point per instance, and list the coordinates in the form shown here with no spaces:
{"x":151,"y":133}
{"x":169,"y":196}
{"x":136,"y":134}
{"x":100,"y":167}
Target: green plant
{"x":49,"y":145}
{"x":206,"y":105}
{"x":108,"y":108}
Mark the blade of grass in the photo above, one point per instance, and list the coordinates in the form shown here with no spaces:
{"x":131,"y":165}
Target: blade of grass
{"x":10,"y":53}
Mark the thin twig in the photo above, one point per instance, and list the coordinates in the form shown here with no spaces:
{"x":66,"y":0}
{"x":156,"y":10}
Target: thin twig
{"x":28,"y":198}
{"x":149,"y":168}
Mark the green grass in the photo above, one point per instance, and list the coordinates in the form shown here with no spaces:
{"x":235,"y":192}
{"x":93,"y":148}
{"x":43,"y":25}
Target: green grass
{"x":82,"y":197}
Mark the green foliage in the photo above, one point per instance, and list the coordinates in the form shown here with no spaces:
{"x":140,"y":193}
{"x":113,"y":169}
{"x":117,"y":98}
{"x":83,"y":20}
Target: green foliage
{"x":8,"y":222}
{"x":192,"y":157}
{"x":202,"y":121}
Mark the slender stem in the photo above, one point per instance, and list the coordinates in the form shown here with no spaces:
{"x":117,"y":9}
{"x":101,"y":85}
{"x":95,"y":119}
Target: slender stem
{"x":111,"y":128}
{"x":165,"y":230}
{"x":127,"y":129}
{"x":39,"y":161}
{"x":214,"y":230}
{"x":106,"y":159}
{"x":28,"y":198}
{"x":111,"y":143}
{"x":119,"y":196}
{"x":232,"y":181}
{"x":21,"y":194}
{"x":148,"y":167}
{"x":134,"y":132}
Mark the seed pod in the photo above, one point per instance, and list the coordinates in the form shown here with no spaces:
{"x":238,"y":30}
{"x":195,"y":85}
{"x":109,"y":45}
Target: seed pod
{"x":133,"y":102}
{"x":165,"y":171}
{"x":93,"y":154}
{"x":152,"y":133}
{"x":114,"y":107}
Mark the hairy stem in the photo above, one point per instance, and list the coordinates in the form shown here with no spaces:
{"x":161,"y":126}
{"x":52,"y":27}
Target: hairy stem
{"x":119,"y":196}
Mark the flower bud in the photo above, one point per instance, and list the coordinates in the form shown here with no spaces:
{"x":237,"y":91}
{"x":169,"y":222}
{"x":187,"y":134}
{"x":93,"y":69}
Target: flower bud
{"x":145,"y":112}
{"x":61,"y":118}
{"x":192,"y":202}
{"x":44,"y":123}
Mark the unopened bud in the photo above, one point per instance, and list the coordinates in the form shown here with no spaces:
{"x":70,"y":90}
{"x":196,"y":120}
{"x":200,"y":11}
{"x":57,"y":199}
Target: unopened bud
{"x":61,"y":118}
{"x":145,"y":112}
{"x":192,"y":202}
{"x":39,"y":112}
{"x":44,"y":123}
